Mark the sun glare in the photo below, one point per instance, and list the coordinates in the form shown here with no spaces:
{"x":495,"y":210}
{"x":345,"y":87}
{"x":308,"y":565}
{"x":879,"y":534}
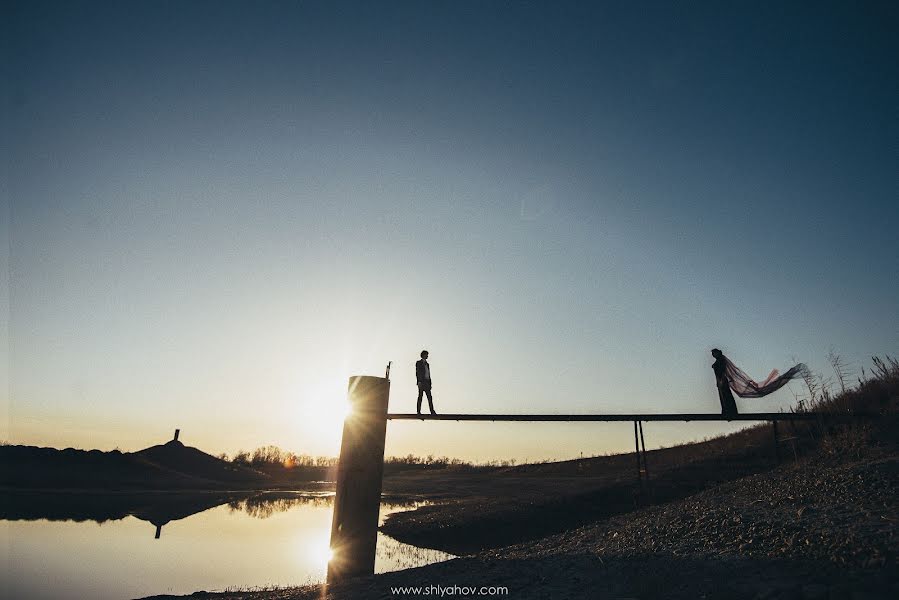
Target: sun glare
{"x":317,"y":550}
{"x":320,"y":553}
{"x":327,"y":414}
{"x":345,"y":409}
{"x":319,"y":413}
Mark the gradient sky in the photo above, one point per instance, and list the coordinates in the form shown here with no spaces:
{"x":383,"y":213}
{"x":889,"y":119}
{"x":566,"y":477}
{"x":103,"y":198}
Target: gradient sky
{"x":216,"y":212}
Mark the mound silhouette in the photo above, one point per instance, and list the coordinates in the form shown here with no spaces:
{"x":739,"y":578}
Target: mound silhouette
{"x":167,"y":466}
{"x":176,"y":458}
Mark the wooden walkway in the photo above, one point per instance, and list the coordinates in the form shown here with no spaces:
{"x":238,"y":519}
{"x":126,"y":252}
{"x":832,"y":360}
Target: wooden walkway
{"x":682,"y":417}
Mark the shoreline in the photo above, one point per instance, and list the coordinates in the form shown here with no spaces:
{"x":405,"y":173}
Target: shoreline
{"x":173,"y":491}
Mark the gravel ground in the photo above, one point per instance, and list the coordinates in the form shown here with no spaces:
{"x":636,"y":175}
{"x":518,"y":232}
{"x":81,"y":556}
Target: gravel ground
{"x":845,"y":515}
{"x":806,"y":531}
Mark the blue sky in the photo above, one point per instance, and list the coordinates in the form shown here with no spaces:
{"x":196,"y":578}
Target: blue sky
{"x":217,"y":212}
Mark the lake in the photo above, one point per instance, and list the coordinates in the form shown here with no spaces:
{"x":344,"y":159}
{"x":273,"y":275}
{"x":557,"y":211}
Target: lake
{"x":105,"y":546}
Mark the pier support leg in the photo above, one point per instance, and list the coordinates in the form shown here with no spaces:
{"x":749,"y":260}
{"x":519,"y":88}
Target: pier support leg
{"x":776,"y":445}
{"x":639,"y":493}
{"x":354,"y":528}
{"x":643,"y":449}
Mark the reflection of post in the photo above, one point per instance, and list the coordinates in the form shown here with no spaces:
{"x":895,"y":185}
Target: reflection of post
{"x":354,"y":528}
{"x":158,"y":532}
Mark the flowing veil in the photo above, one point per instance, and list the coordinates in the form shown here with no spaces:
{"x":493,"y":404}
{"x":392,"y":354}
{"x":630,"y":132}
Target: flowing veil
{"x":744,"y":387}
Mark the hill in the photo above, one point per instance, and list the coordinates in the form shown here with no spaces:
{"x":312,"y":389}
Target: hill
{"x":163,"y":467}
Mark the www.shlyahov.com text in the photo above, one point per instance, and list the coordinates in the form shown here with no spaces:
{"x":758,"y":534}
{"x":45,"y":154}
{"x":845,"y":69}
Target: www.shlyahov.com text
{"x":442,"y":591}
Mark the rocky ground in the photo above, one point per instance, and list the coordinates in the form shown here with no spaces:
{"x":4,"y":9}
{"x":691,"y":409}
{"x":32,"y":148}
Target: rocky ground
{"x":809,"y":530}
{"x":510,"y":507}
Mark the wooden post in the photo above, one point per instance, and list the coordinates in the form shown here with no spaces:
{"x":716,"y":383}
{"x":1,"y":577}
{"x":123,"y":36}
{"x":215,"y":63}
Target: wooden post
{"x":354,"y":527}
{"x":177,"y":431}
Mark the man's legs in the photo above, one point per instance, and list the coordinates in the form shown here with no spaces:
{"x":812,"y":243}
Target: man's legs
{"x":420,"y":391}
{"x":430,"y":400}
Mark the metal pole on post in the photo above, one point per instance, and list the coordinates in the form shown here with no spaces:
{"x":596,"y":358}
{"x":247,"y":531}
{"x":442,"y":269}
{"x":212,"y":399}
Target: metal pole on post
{"x":354,"y":527}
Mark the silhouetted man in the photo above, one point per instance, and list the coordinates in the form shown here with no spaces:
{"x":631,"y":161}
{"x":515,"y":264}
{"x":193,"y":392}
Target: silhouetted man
{"x":423,"y":377}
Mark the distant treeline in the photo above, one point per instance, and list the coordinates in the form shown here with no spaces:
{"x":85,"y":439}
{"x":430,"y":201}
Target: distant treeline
{"x":271,"y":458}
{"x":393,"y":464}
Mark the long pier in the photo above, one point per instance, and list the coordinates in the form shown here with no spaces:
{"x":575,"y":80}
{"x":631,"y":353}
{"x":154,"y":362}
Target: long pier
{"x":681,"y":417}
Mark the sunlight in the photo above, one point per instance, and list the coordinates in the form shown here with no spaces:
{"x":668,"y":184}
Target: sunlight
{"x":317,"y":552}
{"x":319,"y":412}
{"x":326,"y":415}
{"x":313,"y":545}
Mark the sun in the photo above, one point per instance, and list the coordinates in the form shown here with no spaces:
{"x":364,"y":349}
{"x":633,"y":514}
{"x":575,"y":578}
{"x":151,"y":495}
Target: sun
{"x":318,"y":413}
{"x":315,"y":549}
{"x":343,"y":410}
{"x":327,"y":413}
{"x":317,"y":409}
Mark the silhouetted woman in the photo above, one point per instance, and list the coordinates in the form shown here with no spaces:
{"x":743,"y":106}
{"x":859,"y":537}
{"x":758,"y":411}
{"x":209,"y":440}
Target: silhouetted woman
{"x":728,"y":404}
{"x":729,"y":377}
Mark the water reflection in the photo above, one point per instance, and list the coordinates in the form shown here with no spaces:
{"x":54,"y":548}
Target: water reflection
{"x":157,"y":508}
{"x":264,"y":505}
{"x":210,"y":541}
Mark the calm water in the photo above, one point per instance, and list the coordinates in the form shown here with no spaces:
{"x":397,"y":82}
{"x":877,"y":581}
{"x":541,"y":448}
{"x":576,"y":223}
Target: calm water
{"x":250,"y":541}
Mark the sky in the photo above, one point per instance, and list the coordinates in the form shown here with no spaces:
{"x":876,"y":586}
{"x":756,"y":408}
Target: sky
{"x":216,"y":212}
